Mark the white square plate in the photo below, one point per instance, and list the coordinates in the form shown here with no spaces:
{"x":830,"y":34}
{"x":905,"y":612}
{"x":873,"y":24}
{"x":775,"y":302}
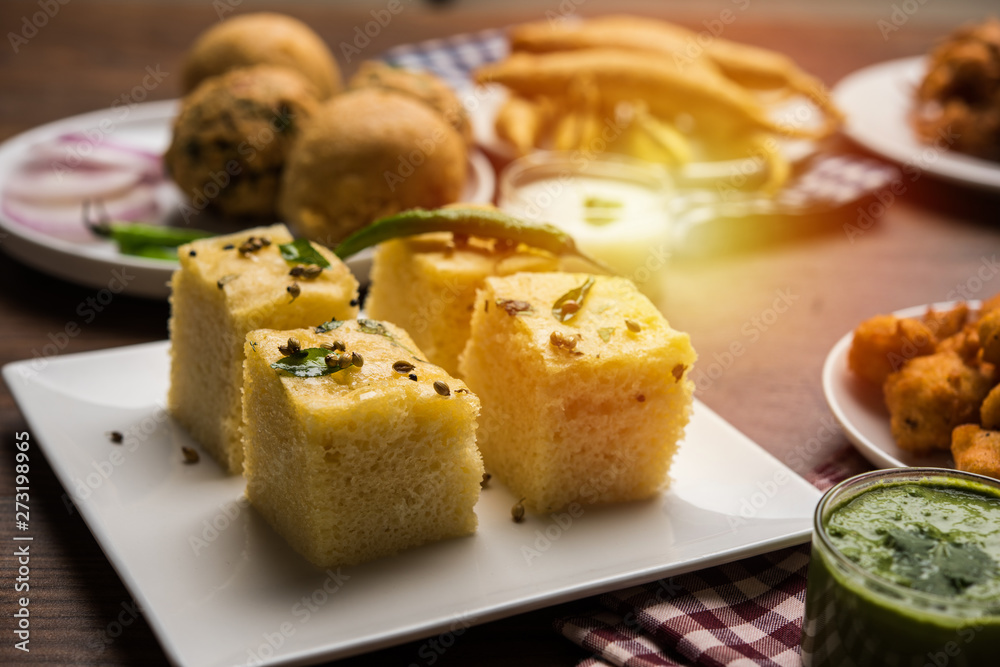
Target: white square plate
{"x":219,"y":588}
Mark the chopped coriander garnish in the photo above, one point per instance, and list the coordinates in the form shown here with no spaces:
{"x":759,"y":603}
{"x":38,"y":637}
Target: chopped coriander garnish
{"x":329,"y":326}
{"x":569,"y":304}
{"x":307,"y":363}
{"x":301,"y":251}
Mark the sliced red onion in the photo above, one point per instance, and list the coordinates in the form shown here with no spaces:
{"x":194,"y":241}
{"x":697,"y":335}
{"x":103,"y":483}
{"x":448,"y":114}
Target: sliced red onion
{"x":72,"y":186}
{"x":64,"y":220}
{"x":47,"y":192}
{"x":82,"y":138}
{"x":76,"y":153}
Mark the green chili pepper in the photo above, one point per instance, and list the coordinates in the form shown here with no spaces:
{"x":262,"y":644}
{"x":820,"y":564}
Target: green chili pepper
{"x":143,"y":240}
{"x":485,"y":223}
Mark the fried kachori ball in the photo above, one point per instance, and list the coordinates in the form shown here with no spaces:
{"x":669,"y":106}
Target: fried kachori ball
{"x":262,"y":38}
{"x":422,"y":85}
{"x":366,"y":154}
{"x":976,"y":450}
{"x":882,"y":344}
{"x":232,"y":136}
{"x":989,"y":336}
{"x":931,"y":395}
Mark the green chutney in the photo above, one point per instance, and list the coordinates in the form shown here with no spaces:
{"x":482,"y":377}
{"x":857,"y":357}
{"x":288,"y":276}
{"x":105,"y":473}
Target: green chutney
{"x":905,"y":571}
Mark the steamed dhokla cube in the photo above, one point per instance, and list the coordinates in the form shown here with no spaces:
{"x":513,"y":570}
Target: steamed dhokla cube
{"x":226,"y":287}
{"x":376,"y":455}
{"x":584,"y":387}
{"x":427,"y":285}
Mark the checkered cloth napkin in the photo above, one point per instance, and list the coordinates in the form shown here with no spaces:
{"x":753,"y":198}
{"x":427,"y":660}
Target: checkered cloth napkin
{"x":823,"y":183}
{"x":742,"y":614}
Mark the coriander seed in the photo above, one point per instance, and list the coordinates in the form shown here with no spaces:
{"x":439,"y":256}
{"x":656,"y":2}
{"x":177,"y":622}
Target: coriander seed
{"x":517,"y":511}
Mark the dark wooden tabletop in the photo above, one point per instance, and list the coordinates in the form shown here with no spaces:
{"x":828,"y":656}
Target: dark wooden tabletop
{"x":933,"y":240}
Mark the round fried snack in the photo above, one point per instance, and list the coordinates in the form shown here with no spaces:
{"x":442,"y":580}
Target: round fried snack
{"x":262,"y":38}
{"x":931,"y":395}
{"x":369,"y":153}
{"x":422,"y":85}
{"x":232,"y":136}
{"x":989,"y":336}
{"x":884,"y":343}
{"x":976,"y":450}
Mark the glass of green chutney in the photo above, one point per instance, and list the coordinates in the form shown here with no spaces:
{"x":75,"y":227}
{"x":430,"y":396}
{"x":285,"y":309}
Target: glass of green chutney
{"x":905,"y":572}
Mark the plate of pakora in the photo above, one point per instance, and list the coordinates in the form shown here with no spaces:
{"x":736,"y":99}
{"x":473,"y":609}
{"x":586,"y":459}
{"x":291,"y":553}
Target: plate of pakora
{"x":921,"y":386}
{"x":938,"y":114}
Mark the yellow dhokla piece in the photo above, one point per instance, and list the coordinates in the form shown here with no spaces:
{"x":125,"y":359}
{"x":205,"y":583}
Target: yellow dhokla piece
{"x":588,"y":410}
{"x":365,"y":461}
{"x":427,"y":285}
{"x":222,"y":291}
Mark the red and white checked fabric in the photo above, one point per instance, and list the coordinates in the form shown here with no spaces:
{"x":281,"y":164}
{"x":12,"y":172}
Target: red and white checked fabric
{"x":742,"y":614}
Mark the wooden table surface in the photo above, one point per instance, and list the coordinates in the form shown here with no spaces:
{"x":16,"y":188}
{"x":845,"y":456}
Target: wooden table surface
{"x":932,"y":241}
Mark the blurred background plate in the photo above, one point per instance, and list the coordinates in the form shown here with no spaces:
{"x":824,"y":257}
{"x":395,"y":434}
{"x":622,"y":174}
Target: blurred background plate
{"x":877,"y":101}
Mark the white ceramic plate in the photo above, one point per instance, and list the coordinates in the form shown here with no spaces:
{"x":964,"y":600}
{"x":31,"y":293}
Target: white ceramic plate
{"x":490,"y":98}
{"x":861,"y":411}
{"x":241,"y":594}
{"x":145,"y":126}
{"x":877,"y":101}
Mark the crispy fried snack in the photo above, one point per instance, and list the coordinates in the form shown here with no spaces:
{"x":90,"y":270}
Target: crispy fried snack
{"x":424,"y":86}
{"x":976,"y":450}
{"x":522,"y":122}
{"x":989,"y":411}
{"x":989,"y":336}
{"x":884,"y":343}
{"x":946,"y":323}
{"x":991,"y":304}
{"x":748,"y":66}
{"x":656,"y":140}
{"x":965,"y":343}
{"x":931,"y":395}
{"x":667,"y":87}
{"x":959,"y":98}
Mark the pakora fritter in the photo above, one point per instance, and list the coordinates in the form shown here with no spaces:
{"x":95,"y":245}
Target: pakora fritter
{"x":958,"y":101}
{"x":882,"y":344}
{"x":931,"y":395}
{"x":976,"y":450}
